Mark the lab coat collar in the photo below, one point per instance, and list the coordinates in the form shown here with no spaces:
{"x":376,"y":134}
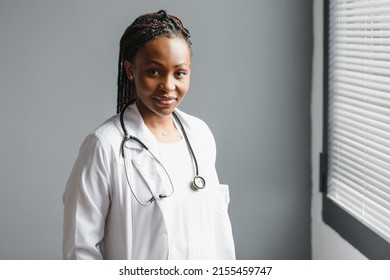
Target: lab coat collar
{"x":135,"y":126}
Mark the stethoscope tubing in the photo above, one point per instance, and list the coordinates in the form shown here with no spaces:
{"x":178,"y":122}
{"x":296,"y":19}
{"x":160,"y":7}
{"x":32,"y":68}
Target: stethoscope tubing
{"x":153,"y":198}
{"x":188,"y":143}
{"x":198,"y":182}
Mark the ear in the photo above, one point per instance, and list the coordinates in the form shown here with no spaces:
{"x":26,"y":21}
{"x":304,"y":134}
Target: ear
{"x":129,"y":70}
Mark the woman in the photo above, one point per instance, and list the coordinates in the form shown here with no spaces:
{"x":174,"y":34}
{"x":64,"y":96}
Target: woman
{"x":144,"y":185}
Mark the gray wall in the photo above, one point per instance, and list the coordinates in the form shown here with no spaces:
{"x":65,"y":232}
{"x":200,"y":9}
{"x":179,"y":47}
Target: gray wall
{"x":250,"y":82}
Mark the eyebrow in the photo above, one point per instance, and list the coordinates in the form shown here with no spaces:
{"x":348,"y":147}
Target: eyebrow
{"x":158,"y":63}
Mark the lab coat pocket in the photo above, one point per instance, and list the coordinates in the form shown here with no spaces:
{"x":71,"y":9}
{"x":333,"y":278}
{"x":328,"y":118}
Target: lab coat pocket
{"x":223,"y":198}
{"x":223,"y":228}
{"x":224,"y":190}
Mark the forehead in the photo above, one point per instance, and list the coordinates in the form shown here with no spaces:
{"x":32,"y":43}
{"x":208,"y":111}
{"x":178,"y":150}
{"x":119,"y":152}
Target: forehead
{"x":164,"y":51}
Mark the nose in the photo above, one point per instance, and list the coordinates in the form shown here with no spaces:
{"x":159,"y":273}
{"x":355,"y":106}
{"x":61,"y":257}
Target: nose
{"x":168,"y":84}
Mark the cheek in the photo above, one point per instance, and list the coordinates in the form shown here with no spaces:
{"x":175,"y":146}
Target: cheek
{"x":185,"y":86}
{"x":144,"y":85}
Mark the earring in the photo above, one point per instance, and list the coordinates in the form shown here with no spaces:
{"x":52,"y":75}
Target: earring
{"x":131,"y":78}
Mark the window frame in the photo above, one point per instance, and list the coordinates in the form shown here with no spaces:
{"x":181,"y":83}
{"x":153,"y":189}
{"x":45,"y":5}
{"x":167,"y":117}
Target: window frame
{"x":351,"y":229}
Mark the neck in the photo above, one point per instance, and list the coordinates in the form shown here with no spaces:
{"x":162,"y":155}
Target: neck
{"x":161,"y":126}
{"x":164,"y":130}
{"x":159,"y":122}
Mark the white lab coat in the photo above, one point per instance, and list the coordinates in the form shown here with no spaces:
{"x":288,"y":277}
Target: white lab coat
{"x":102,"y":220}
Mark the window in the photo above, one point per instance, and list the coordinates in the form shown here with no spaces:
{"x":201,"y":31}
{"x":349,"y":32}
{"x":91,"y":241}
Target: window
{"x":355,"y":163}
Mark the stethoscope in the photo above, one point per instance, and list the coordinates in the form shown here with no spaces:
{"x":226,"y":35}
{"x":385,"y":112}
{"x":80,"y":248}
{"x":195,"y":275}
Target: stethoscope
{"x":198,"y":183}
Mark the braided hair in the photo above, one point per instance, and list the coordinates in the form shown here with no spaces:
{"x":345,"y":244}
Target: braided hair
{"x":143,"y":29}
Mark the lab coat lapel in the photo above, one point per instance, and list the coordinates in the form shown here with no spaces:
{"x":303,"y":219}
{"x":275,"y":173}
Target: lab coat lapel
{"x":136,"y":127}
{"x":144,"y":162}
{"x":196,"y":145}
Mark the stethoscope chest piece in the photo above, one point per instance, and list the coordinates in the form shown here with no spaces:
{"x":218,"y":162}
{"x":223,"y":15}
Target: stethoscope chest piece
{"x":198,"y":183}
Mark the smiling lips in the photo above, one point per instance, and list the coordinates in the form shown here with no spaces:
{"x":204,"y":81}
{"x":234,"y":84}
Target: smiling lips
{"x":165,"y":100}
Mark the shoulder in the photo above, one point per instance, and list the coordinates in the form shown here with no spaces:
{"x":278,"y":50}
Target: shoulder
{"x":110,"y":128}
{"x":104,"y":139}
{"x":200,"y":137}
{"x":197,"y":129}
{"x":193,"y":123}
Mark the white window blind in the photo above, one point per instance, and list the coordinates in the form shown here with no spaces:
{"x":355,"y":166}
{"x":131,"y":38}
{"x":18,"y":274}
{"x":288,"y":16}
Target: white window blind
{"x":359,"y":111}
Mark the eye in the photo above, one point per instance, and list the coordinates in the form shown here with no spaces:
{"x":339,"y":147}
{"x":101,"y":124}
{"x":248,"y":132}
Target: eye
{"x":154,"y":72}
{"x":181,"y":74}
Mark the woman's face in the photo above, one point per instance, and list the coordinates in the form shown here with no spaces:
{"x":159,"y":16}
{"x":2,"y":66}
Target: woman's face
{"x":161,"y":73}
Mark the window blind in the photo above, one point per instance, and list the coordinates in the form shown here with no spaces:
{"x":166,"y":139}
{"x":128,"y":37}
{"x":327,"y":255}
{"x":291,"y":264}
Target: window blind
{"x":359,"y":111}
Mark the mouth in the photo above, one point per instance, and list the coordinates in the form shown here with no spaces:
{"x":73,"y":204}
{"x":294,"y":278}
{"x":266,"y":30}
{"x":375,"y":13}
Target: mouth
{"x":165,"y":100}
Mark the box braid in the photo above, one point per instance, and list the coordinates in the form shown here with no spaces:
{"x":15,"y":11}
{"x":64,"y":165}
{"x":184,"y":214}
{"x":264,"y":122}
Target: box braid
{"x":143,"y":29}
